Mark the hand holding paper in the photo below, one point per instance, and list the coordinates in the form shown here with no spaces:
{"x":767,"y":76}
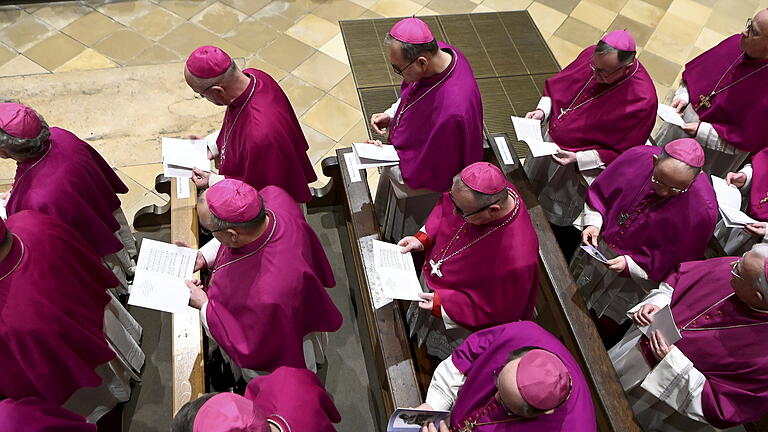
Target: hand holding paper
{"x":396,"y":272}
{"x":529,"y":131}
{"x":670,"y":115}
{"x":664,"y":323}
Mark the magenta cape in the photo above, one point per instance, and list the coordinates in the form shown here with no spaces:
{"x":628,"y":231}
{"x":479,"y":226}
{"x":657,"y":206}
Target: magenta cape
{"x":266,"y":146}
{"x":35,"y":415}
{"x":71,"y":182}
{"x":501,"y":269}
{"x":759,"y":187}
{"x":738,"y":114}
{"x":442,"y":133}
{"x":733,"y":359}
{"x":620,"y":119}
{"x":487,"y":350}
{"x":655,"y":236}
{"x":294,"y":399}
{"x":51,"y":311}
{"x":260,"y":308}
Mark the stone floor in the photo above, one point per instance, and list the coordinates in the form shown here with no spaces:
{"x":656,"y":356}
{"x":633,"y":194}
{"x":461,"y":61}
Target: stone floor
{"x":111,"y":71}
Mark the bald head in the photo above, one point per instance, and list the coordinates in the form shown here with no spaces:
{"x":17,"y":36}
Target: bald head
{"x":220,"y":90}
{"x":671,"y":176}
{"x":754,"y":38}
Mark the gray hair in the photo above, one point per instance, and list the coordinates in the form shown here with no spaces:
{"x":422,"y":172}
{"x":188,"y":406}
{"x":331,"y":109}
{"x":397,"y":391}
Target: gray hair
{"x":218,"y":80}
{"x":482,"y":199}
{"x":760,"y":283}
{"x":625,"y":57}
{"x":412,"y":51}
{"x":218,"y":224}
{"x":664,"y":156}
{"x":25,"y":147}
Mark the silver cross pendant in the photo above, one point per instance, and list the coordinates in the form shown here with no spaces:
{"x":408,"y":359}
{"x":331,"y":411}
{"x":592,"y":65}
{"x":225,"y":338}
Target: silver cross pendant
{"x":562,"y":112}
{"x":436,"y":268}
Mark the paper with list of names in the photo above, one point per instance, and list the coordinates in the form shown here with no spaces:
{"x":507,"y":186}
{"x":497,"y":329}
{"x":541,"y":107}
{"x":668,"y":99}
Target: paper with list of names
{"x":529,"y":131}
{"x":665,"y":323}
{"x":670,"y":115}
{"x":396,"y":272}
{"x":161,"y":271}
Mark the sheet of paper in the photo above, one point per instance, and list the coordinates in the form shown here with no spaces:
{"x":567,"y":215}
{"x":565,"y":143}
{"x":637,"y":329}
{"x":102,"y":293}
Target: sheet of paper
{"x":663,"y":321}
{"x":727,"y":195}
{"x":503,"y":147}
{"x":184,"y":153}
{"x":529,"y":131}
{"x":594,"y":253}
{"x":161,"y":271}
{"x":408,"y":419}
{"x":670,"y":115}
{"x":182,"y":188}
{"x":371,"y":151}
{"x":166,"y":259}
{"x":3,"y":212}
{"x":182,"y":173}
{"x":158,"y":292}
{"x":352,"y":168}
{"x":396,"y":272}
{"x":375,"y":290}
{"x":735,"y":217}
{"x":362,"y":164}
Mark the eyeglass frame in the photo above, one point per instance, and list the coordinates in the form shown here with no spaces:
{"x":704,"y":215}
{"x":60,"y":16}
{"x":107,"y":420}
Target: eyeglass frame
{"x":751,"y":29}
{"x":207,"y":231}
{"x":201,"y":95}
{"x":733,"y":270}
{"x":603,"y":74}
{"x":674,"y":190}
{"x":401,"y":71}
{"x":472,"y":213}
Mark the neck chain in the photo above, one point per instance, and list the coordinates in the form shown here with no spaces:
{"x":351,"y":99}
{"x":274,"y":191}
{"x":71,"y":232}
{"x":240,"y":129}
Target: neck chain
{"x":436,"y":265}
{"x":574,"y":108}
{"x":21,"y":257}
{"x":685,"y":327}
{"x":470,"y":423}
{"x":35,"y":164}
{"x":705,"y":101}
{"x":405,"y":108}
{"x":232,"y":126}
{"x":269,"y":237}
{"x":624,"y":216}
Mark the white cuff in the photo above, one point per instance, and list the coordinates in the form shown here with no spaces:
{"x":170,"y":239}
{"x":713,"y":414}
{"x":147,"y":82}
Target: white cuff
{"x":590,"y":216}
{"x":748,"y":171}
{"x":676,"y":382}
{"x":706,"y":135}
{"x":545,"y":105}
{"x":209,"y":251}
{"x":660,"y":297}
{"x":445,"y":385}
{"x":204,"y":318}
{"x":588,"y":159}
{"x":635,"y":271}
{"x":447,"y":321}
{"x":212,"y":146}
{"x":682,"y":93}
{"x":214,"y":178}
{"x":392,"y":109}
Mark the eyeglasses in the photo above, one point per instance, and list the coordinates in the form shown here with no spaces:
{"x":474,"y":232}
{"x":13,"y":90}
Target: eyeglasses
{"x":206,"y":231}
{"x":673,"y":190}
{"x":602,"y":72}
{"x":734,"y":265}
{"x":750,"y":29}
{"x":200,"y":95}
{"x":400,"y":71}
{"x":466,"y":215}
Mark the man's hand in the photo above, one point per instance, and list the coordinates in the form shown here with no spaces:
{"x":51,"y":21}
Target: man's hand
{"x":756,"y":229}
{"x":659,"y":345}
{"x":197,"y":297}
{"x":430,"y":301}
{"x":679,"y":105}
{"x":377,"y":143}
{"x":201,"y":178}
{"x":410,"y":243}
{"x":691,"y":128}
{"x":535,"y":114}
{"x":200,"y":262}
{"x":564,"y":157}
{"x":431,"y":427}
{"x":5,"y":196}
{"x":617,"y":264}
{"x":644,"y":315}
{"x":380,"y":123}
{"x":589,"y":235}
{"x":737,"y":179}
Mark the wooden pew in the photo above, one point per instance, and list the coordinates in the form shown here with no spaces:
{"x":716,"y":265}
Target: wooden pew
{"x":562,"y":310}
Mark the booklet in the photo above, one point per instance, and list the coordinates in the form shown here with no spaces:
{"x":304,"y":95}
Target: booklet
{"x":161,"y":271}
{"x":373,"y":156}
{"x":396,"y":271}
{"x":670,"y":115}
{"x":729,"y":204}
{"x":181,"y":155}
{"x":529,"y":131}
{"x":407,"y":419}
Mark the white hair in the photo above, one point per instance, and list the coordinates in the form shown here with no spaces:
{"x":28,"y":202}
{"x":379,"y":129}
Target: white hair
{"x":761,"y":282}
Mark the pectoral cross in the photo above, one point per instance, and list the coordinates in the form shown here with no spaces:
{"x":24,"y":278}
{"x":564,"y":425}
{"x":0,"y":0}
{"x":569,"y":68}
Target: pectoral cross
{"x":764,"y":200}
{"x":436,"y":268}
{"x":469,"y":426}
{"x":705,"y":100}
{"x":563,"y":111}
{"x":623,"y":218}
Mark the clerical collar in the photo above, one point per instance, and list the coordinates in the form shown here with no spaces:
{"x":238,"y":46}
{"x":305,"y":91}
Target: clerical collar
{"x":14,"y":257}
{"x":240,"y":100}
{"x":446,"y":71}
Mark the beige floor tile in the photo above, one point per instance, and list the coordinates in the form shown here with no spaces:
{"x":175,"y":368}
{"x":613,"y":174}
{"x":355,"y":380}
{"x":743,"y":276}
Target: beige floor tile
{"x":579,"y":32}
{"x":547,"y":19}
{"x":365,"y":3}
{"x":614,"y":5}
{"x":425,"y":11}
{"x":21,"y":65}
{"x":322,"y":71}
{"x":661,"y":69}
{"x":187,"y":37}
{"x":395,"y":8}
{"x":673,"y":38}
{"x":184,"y":8}
{"x":54,"y":51}
{"x":281,"y":15}
{"x":642,"y":12}
{"x":451,"y":6}
{"x":564,"y":6}
{"x":640,"y":32}
{"x":313,"y":30}
{"x":248,"y":7}
{"x":358,"y":133}
{"x":89,"y":59}
{"x":594,"y":15}
{"x":301,"y":94}
{"x":91,"y":28}
{"x":369,"y":14}
{"x":331,"y":117}
{"x":338,"y":10}
{"x":60,"y":15}
{"x":156,"y":23}
{"x":251,"y":35}
{"x":286,"y":52}
{"x":482,"y":8}
{"x":145,"y":200}
{"x":319,"y":144}
{"x":708,"y":39}
{"x":690,"y":10}
{"x":695,"y":52}
{"x":122,"y":45}
{"x":6,"y":54}
{"x":322,"y":180}
{"x":9,"y":15}
{"x":273,"y":71}
{"x":505,"y":5}
{"x":565,"y":52}
{"x":373,"y":181}
{"x":155,"y":54}
{"x":125,"y":12}
{"x":144,"y":175}
{"x":219,"y":18}
{"x":728,"y":17}
{"x":25,"y":32}
{"x":336,"y":49}
{"x":347,"y":92}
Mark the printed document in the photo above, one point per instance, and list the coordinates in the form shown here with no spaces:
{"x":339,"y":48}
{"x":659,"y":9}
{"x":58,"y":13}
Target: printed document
{"x":181,"y":155}
{"x":529,"y":131}
{"x":161,"y":271}
{"x":396,"y":272}
{"x":729,"y":203}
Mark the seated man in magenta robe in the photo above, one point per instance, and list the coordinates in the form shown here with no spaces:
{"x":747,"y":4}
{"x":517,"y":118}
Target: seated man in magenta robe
{"x":597,"y":107}
{"x":482,"y":258}
{"x":716,"y":376}
{"x":436,"y":126}
{"x":260,"y":141}
{"x":514,"y":377}
{"x":633,"y":208}
{"x":286,"y":400}
{"x":37,"y":415}
{"x":269,"y":274}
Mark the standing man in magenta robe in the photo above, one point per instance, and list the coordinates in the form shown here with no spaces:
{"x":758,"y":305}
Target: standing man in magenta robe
{"x":597,"y":107}
{"x":260,"y":142}
{"x":436,"y":126}
{"x":722,"y":99}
